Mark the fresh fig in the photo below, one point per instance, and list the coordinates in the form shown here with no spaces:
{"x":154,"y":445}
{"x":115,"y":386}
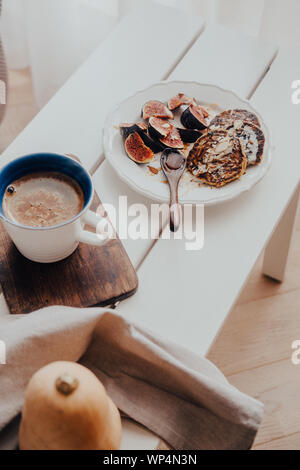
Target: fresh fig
{"x":178,"y":100}
{"x":173,"y":139}
{"x":189,"y":136}
{"x":141,"y":129}
{"x":194,"y":117}
{"x":156,"y":109}
{"x":154,"y":145}
{"x":137,"y":150}
{"x":159,"y":128}
{"x":143,"y":126}
{"x":128,"y":128}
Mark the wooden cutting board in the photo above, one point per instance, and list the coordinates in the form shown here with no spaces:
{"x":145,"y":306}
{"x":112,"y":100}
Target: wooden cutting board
{"x":90,"y":276}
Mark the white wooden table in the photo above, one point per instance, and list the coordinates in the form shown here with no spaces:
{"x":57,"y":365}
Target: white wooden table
{"x":184,"y":296}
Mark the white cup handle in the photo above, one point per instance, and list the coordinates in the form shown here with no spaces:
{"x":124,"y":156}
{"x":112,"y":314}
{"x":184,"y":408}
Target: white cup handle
{"x":90,"y":238}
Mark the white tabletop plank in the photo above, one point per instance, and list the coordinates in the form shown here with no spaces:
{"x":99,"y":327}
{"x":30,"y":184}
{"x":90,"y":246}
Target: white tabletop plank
{"x":187,"y":295}
{"x":128,"y":59}
{"x":227,"y":58}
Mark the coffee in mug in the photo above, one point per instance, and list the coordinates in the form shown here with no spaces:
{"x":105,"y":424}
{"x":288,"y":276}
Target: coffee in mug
{"x":43,"y":199}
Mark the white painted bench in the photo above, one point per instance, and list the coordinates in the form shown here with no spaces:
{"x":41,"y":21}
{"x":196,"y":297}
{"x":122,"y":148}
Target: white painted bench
{"x":183,"y":295}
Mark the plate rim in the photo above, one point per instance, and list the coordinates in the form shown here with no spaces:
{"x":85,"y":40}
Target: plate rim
{"x":153,"y":195}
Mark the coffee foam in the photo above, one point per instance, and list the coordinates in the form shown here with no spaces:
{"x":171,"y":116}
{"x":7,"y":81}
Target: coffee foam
{"x":43,"y":199}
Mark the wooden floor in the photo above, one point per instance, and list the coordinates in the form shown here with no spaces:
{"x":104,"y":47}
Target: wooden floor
{"x":254,"y":347}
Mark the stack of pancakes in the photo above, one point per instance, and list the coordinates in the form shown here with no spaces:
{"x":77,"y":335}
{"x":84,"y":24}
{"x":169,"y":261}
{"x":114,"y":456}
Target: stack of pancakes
{"x":233,"y":141}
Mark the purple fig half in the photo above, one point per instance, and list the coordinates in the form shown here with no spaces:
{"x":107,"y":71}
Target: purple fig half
{"x":129,"y":128}
{"x":137,"y":150}
{"x":156,"y":109}
{"x":173,"y":139}
{"x":194,"y":117}
{"x":178,"y":100}
{"x":189,"y":136}
{"x":159,"y":128}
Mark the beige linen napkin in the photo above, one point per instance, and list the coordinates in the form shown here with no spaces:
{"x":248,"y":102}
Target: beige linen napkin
{"x":181,"y":397}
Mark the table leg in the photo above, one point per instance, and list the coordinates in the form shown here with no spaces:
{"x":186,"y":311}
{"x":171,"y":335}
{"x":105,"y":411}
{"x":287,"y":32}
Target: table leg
{"x":277,"y":250}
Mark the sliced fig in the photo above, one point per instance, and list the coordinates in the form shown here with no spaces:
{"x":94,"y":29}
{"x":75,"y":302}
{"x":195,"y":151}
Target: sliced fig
{"x":178,"y":100}
{"x":189,"y":136}
{"x":141,"y":128}
{"x":137,"y":150}
{"x":203,"y":111}
{"x":194,"y":117}
{"x":173,"y":139}
{"x":156,"y":109}
{"x":129,"y":128}
{"x":154,"y":145}
{"x":159,"y":128}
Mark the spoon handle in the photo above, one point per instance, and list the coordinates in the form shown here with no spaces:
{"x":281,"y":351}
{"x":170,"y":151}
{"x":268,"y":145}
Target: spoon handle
{"x":174,"y":207}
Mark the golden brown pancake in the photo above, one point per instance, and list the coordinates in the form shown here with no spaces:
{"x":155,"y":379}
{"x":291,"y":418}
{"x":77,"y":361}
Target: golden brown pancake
{"x":243,"y":124}
{"x":252,"y":140}
{"x":217,"y":158}
{"x":226,"y":118}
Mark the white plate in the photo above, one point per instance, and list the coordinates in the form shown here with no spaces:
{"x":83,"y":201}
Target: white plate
{"x":140,"y":178}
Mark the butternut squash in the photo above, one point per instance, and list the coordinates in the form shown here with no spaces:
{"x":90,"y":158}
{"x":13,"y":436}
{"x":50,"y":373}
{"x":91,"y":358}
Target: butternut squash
{"x":66,"y":408}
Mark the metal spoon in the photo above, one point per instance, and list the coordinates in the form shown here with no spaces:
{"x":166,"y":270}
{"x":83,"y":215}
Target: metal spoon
{"x":173,"y":164}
